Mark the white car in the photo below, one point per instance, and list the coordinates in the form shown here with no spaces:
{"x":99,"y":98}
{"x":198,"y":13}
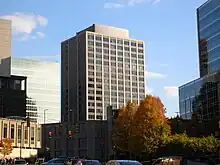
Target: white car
{"x":20,"y":162}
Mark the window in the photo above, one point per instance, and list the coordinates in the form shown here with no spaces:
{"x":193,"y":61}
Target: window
{"x":26,"y":134}
{"x":133,"y":43}
{"x":91,"y":116}
{"x":140,"y":45}
{"x":19,"y":133}
{"x":91,"y":110}
{"x":32,"y":135}
{"x":113,"y":40}
{"x":90,"y":36}
{"x":5,"y":130}
{"x":82,"y":143}
{"x":98,"y":38}
{"x":12,"y":131}
{"x":120,"y":42}
{"x":38,"y":134}
{"x":105,"y":39}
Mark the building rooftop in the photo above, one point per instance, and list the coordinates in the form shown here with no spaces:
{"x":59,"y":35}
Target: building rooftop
{"x":107,"y":30}
{"x":5,"y":21}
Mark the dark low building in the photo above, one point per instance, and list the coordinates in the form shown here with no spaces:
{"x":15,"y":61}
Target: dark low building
{"x":91,"y":139}
{"x":12,"y":96}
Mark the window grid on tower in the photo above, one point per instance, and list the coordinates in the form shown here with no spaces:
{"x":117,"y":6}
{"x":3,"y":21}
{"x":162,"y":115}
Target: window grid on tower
{"x":118,"y":73}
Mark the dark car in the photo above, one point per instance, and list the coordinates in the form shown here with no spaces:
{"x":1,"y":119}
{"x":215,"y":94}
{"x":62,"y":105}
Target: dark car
{"x":184,"y":160}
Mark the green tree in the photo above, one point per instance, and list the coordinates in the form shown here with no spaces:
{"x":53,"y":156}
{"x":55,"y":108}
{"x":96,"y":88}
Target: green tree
{"x":182,"y":144}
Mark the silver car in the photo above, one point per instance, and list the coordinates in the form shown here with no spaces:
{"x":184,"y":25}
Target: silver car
{"x":56,"y":161}
{"x":123,"y":162}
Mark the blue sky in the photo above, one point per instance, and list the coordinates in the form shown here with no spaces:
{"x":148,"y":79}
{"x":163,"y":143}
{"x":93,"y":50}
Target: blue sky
{"x":168,"y":28}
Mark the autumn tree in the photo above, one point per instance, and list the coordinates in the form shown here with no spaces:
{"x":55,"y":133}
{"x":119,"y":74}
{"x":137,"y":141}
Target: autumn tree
{"x":6,"y":147}
{"x":150,"y":125}
{"x":123,"y":127}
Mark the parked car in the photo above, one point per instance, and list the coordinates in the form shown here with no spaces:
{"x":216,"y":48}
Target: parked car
{"x":184,"y":160}
{"x":20,"y":162}
{"x":39,"y":161}
{"x":123,"y":162}
{"x":56,"y":161}
{"x":87,"y":162}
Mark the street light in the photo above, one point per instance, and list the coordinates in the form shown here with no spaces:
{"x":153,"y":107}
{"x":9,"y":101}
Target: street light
{"x":45,"y":114}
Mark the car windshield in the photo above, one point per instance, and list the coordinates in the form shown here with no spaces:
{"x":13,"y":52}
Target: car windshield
{"x":88,"y":162}
{"x":57,"y":161}
{"x":20,"y":162}
{"x":130,"y":163}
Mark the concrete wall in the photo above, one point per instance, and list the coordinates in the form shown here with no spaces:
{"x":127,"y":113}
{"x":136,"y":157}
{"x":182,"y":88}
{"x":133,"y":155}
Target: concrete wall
{"x":5,"y":47}
{"x":25,"y":153}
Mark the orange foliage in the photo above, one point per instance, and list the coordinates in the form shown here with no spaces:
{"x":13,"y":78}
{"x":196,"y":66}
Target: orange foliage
{"x":123,"y":126}
{"x":6,"y":146}
{"x":150,"y":124}
{"x":141,"y":127}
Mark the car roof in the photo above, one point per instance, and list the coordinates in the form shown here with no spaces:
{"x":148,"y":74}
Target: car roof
{"x":125,"y":161}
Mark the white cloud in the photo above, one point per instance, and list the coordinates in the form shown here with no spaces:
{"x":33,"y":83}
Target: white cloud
{"x":124,"y":3}
{"x":171,"y":91}
{"x":25,"y":38}
{"x":154,"y":75}
{"x":155,"y":2}
{"x":40,"y":34}
{"x":134,"y":2}
{"x":113,"y":5}
{"x":24,"y":24}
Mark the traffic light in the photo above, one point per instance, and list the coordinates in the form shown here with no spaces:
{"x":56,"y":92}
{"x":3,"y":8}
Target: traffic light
{"x":77,"y":128}
{"x":49,"y":135}
{"x":60,"y":129}
{"x":70,"y":134}
{"x":102,"y":142}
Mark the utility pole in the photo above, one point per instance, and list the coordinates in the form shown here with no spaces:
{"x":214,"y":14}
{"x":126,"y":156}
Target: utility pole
{"x":44,"y":129}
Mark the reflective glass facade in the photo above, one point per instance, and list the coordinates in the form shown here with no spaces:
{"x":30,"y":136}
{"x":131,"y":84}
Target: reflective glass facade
{"x":43,"y":88}
{"x":202,"y":96}
{"x":208,"y":16}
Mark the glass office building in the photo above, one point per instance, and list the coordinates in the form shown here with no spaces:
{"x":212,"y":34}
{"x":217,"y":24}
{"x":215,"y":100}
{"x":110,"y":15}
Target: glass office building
{"x":208,"y":18}
{"x":43,"y":88}
{"x":202,"y":95}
